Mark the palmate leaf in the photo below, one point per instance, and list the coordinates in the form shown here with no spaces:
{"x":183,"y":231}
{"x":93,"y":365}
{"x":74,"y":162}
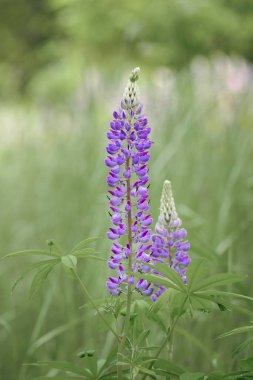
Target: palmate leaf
{"x":33,"y":267}
{"x":200,"y":289}
{"x":169,"y":274}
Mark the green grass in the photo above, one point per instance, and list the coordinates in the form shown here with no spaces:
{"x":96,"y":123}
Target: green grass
{"x":53,"y":186}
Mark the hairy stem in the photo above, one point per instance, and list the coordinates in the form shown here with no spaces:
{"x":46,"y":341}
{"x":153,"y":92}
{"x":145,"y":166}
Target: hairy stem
{"x":86,"y":292}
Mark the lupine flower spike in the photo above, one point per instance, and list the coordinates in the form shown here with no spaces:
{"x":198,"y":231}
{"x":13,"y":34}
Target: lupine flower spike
{"x":169,"y":245}
{"x":128,"y":179}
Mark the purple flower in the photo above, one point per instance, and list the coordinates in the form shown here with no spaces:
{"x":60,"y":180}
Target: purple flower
{"x":169,"y":245}
{"x":127,"y":159}
{"x":128,"y":178}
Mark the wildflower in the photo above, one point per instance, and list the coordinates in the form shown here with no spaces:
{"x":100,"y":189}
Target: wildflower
{"x":169,"y":245}
{"x":128,"y":178}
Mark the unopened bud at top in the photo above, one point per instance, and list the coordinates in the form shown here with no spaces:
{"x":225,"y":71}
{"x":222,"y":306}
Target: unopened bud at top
{"x":168,"y":211}
{"x":131,"y":93}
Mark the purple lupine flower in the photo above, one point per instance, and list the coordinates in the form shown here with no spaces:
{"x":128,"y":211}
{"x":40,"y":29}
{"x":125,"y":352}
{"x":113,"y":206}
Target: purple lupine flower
{"x":128,"y":179}
{"x":169,"y":244}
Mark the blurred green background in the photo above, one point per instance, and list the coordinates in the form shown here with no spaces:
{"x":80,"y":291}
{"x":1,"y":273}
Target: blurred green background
{"x":63,"y":68}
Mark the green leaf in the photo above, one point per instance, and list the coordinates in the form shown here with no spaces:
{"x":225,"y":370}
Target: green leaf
{"x":147,"y":371}
{"x":175,"y":301}
{"x":166,"y":366}
{"x":201,"y":303}
{"x":192,"y":376}
{"x":31,"y":268}
{"x":239,"y":330}
{"x":92,"y":257}
{"x":196,"y":271}
{"x":168,"y":273}
{"x":30,"y":252}
{"x":39,"y":278}
{"x":59,"y":378}
{"x":164,"y":300}
{"x":155,"y":279}
{"x":83,"y":244}
{"x":83,"y":252}
{"x":69,"y":261}
{"x":64,"y":366}
{"x":213,"y":298}
{"x":242,"y":346}
{"x":223,"y":293}
{"x":238,"y":375}
{"x":218,"y":280}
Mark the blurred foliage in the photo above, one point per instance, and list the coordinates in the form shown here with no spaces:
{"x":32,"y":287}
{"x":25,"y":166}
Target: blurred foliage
{"x":75,"y":52}
{"x":55,"y":40}
{"x":53,"y":187}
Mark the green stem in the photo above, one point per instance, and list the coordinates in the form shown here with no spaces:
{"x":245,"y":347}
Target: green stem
{"x":167,"y":338}
{"x":86,"y":292}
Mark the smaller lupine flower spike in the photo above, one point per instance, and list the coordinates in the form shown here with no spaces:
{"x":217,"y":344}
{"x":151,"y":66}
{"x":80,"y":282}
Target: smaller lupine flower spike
{"x":127,"y":160}
{"x":169,"y":245}
{"x":167,"y":206}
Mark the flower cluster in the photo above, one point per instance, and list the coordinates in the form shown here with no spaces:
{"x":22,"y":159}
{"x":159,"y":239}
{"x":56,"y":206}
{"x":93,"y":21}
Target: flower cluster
{"x":133,"y":243}
{"x":128,"y":154}
{"x":169,"y":245}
